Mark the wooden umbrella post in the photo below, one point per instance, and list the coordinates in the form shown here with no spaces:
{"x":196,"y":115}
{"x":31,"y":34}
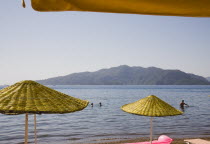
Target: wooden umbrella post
{"x":26,"y":128}
{"x":35,"y":136}
{"x":151,"y":129}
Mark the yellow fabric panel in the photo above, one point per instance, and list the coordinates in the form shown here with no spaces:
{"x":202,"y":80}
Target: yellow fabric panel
{"x":195,"y":8}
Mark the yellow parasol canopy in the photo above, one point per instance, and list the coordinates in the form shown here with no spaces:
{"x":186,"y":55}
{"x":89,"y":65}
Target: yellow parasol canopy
{"x":193,"y":8}
{"x":32,"y":97}
{"x":151,"y":106}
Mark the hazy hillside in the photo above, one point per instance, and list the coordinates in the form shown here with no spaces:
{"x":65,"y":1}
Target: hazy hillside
{"x":125,"y":75}
{"x":208,"y":78}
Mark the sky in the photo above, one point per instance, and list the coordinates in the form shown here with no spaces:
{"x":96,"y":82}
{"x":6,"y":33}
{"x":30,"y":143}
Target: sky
{"x":40,"y":45}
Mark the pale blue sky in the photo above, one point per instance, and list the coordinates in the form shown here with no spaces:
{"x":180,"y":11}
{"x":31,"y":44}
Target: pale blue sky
{"x":36,"y":45}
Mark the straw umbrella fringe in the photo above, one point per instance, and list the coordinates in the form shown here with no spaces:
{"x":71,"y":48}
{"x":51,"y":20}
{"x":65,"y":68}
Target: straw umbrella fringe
{"x":151,"y":106}
{"x":30,"y":97}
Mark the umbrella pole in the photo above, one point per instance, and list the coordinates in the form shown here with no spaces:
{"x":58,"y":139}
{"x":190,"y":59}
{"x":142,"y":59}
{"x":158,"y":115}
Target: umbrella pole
{"x":35,"y":136}
{"x":151,"y":129}
{"x":26,"y":128}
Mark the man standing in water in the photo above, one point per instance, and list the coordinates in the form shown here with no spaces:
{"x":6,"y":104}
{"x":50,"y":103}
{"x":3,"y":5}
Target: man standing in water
{"x":182,"y":104}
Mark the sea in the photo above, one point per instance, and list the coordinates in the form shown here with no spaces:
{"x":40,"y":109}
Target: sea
{"x":108,"y":122}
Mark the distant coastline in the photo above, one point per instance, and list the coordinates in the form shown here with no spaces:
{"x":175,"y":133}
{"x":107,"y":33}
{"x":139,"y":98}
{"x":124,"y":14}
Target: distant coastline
{"x":126,"y":75}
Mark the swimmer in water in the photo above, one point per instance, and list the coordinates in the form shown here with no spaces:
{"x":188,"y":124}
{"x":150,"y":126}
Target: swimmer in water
{"x":182,"y":104}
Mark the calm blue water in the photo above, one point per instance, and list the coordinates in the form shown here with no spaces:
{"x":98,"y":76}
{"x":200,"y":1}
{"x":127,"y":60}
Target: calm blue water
{"x":109,"y":121}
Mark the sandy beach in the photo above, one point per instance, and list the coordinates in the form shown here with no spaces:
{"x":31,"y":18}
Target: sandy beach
{"x":120,"y":141}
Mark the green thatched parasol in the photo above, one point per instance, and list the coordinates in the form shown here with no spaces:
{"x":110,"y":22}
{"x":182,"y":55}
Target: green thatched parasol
{"x":31,"y":97}
{"x":151,"y":106}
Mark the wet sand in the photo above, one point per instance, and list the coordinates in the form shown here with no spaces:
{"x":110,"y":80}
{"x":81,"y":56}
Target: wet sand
{"x":119,"y":141}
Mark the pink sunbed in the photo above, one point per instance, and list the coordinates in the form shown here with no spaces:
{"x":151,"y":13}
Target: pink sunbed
{"x":163,"y":139}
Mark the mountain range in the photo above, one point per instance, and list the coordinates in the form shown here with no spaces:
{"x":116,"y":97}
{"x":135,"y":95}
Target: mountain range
{"x":208,"y":78}
{"x":126,"y":75}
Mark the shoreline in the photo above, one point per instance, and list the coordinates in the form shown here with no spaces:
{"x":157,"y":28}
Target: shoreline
{"x":144,"y":139}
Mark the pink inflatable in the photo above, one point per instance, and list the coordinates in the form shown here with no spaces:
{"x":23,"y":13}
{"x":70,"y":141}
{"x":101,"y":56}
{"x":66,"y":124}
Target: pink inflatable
{"x":163,"y":139}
